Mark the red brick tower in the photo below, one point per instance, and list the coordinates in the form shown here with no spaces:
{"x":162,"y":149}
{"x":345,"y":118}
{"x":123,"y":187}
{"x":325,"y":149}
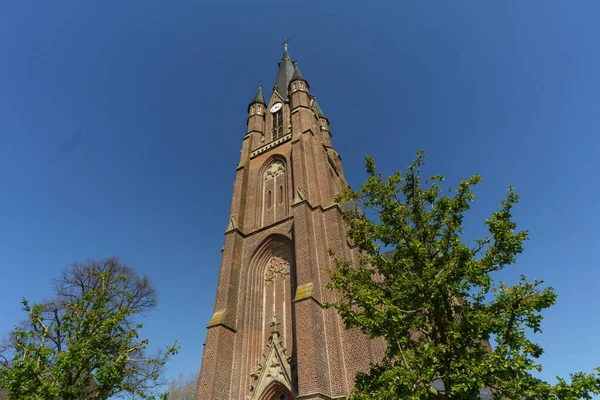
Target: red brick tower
{"x":270,"y":337}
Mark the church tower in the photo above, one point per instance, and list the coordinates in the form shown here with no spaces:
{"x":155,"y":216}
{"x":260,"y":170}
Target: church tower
{"x":270,"y":337}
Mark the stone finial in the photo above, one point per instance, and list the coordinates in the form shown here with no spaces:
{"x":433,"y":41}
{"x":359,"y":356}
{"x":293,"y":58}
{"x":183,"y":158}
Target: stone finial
{"x":275,"y":325}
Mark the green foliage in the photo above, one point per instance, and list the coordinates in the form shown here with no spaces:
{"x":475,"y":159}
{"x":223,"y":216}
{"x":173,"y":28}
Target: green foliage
{"x":85,"y":344}
{"x":434,"y":301}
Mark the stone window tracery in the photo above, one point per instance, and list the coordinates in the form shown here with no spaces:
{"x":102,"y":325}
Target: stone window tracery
{"x":277,"y":267}
{"x":275,"y":169}
{"x":273,"y":188}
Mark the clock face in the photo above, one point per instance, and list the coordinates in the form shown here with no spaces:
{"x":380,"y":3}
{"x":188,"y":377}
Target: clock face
{"x":275,"y":107}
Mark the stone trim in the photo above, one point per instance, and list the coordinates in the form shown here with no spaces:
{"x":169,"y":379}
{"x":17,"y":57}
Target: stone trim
{"x":297,"y":108}
{"x":231,"y":225}
{"x":304,"y":291}
{"x":229,"y":328}
{"x":256,"y":114}
{"x":319,"y":207}
{"x":217,"y":317}
{"x":249,"y":134}
{"x":245,"y":235}
{"x":218,"y":320}
{"x":309,"y":298}
{"x":268,"y":146}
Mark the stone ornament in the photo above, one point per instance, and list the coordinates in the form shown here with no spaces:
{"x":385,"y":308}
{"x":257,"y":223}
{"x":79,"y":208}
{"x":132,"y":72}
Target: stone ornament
{"x":275,"y":169}
{"x":275,"y":365}
{"x":276,"y":266}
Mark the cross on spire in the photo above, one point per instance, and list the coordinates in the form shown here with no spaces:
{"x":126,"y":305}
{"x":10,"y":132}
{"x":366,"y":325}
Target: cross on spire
{"x":285,"y":42}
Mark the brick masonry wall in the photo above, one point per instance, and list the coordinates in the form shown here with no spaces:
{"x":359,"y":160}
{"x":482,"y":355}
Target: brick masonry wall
{"x":298,"y":227}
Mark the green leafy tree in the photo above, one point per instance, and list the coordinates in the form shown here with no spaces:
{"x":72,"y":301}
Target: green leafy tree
{"x":182,"y":388}
{"x":433,"y":299}
{"x":85,"y":343}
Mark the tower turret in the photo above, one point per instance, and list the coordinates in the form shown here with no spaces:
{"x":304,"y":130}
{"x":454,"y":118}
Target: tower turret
{"x":258,"y":97}
{"x":298,"y":90}
{"x":256,"y":112}
{"x":255,"y":122}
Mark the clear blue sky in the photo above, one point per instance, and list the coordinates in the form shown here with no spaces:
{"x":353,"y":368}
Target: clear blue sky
{"x":121,"y":124}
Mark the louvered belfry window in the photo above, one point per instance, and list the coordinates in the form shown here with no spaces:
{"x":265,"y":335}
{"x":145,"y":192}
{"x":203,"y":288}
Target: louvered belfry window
{"x":277,"y":125}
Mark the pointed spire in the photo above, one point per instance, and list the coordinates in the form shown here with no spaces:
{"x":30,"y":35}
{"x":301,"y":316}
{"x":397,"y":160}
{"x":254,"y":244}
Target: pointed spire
{"x":285,"y":55}
{"x":286,"y":70}
{"x":297,"y":74}
{"x":258,"y":97}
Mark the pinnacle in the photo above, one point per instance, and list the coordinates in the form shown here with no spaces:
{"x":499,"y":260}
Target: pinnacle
{"x":285,"y":56}
{"x":297,"y":74}
{"x":318,"y":108}
{"x":258,"y":97}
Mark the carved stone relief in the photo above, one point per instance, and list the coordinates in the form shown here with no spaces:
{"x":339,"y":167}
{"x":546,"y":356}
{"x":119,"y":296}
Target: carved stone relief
{"x":277,"y":266}
{"x":274,"y":366}
{"x":275,"y":169}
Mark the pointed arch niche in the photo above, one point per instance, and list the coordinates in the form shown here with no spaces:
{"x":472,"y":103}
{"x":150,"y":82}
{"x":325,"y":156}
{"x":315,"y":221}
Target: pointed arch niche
{"x":268,"y":341}
{"x":277,"y":391}
{"x":273,"y":190}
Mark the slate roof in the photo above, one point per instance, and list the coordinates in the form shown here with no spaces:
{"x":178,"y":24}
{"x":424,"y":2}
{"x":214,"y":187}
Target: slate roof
{"x":297,"y":74}
{"x":318,"y":108}
{"x":284,"y":75}
{"x":258,"y":97}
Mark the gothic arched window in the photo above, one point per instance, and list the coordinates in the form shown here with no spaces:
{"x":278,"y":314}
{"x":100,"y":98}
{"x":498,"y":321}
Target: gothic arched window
{"x":278,"y":124}
{"x":273,"y":187}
